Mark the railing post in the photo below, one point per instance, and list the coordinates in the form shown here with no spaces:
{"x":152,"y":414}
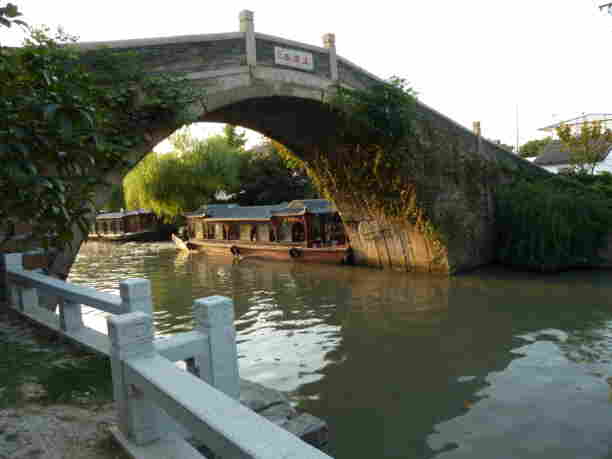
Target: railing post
{"x":247,"y":25}
{"x":329,"y":42}
{"x":71,"y":318}
{"x":11,"y":261}
{"x":136,"y":295}
{"x":29,"y":296}
{"x":28,"y":300}
{"x":131,"y":336}
{"x":218,"y":363}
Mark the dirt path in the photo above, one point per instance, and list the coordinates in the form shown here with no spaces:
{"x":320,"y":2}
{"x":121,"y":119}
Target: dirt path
{"x":58,"y":432}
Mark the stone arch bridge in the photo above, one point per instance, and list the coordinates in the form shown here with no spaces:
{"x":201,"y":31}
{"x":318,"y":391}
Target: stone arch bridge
{"x":278,"y":87}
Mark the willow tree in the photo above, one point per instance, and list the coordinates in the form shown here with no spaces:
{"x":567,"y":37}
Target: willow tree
{"x":189,"y":176}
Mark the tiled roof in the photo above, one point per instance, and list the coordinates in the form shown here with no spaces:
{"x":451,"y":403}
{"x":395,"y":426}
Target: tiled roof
{"x":310,"y":203}
{"x":554,"y":153}
{"x":108,"y":215}
{"x":298,"y":207}
{"x":585,"y":118}
{"x":237,"y":212}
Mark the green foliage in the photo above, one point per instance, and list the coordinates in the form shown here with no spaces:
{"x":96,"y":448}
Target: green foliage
{"x":587,"y":147}
{"x":600,"y":183}
{"x":552,"y":224}
{"x":374,"y":126}
{"x":383,"y":115}
{"x":66,"y":118}
{"x":534,"y":147}
{"x":174,"y":183}
{"x":8,"y":13}
{"x":267,"y":177}
{"x":234,"y":138}
{"x":116,"y":202}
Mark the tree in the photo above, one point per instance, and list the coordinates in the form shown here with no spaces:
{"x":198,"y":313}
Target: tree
{"x":234,"y":138}
{"x":587,"y":147}
{"x":116,"y":202}
{"x":191,"y":175}
{"x":534,"y":147}
{"x":63,"y":126}
{"x":8,"y":13}
{"x":267,"y":178}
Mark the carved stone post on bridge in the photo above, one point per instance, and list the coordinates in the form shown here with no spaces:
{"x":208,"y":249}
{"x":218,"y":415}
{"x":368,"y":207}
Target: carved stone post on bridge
{"x":478,"y":133}
{"x":247,"y":25}
{"x":218,"y":363}
{"x":131,"y":336}
{"x":329,"y":42}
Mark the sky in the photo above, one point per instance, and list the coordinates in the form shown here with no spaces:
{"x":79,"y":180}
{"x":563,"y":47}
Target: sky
{"x":473,"y":60}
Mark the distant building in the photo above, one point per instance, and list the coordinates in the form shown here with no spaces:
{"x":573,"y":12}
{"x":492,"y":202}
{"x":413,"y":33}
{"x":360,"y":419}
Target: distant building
{"x":555,"y":157}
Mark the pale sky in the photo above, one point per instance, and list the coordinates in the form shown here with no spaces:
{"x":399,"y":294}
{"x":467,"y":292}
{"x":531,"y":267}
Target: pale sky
{"x":470,"y":59}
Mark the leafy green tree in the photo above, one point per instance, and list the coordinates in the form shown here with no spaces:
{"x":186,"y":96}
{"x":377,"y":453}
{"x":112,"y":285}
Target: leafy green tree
{"x":267,"y":178}
{"x":191,"y":175}
{"x":533,"y":147}
{"x":8,"y":15}
{"x":116,"y":202}
{"x":63,"y":126}
{"x":587,"y":147}
{"x":234,"y":138}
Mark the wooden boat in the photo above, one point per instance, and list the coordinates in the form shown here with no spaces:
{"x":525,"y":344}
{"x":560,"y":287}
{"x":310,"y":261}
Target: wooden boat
{"x":135,"y":225}
{"x":300,"y":231}
{"x":275,"y":251}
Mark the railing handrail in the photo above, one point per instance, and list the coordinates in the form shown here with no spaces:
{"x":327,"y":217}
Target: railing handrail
{"x":106,"y":302}
{"x":238,"y":433}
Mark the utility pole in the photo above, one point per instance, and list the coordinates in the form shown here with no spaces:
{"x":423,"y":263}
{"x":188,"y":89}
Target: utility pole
{"x":518,"y":145}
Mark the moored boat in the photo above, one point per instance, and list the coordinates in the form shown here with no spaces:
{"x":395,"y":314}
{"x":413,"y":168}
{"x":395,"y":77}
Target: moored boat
{"x":135,"y":225}
{"x":300,"y":231}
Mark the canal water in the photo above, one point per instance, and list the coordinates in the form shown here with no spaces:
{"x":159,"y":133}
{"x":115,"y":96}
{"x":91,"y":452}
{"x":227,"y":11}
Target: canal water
{"x":401,"y":365}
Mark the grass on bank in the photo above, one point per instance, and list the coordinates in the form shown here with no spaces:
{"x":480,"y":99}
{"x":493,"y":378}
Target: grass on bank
{"x":36,"y":366}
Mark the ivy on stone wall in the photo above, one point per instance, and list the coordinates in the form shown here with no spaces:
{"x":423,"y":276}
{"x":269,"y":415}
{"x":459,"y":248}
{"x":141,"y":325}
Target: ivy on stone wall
{"x":390,"y":163}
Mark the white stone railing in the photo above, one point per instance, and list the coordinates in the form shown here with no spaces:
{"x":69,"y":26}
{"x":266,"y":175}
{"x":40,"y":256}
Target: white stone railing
{"x":159,"y":404}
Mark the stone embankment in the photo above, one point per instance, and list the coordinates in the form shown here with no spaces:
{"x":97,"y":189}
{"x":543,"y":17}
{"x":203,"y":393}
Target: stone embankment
{"x":37,"y":420}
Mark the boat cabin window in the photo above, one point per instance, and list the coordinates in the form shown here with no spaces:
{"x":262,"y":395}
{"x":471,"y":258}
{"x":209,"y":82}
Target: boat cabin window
{"x":297,"y":232}
{"x":209,"y":230}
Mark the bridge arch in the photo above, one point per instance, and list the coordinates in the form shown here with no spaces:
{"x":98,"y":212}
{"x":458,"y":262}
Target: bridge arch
{"x":281,"y":87}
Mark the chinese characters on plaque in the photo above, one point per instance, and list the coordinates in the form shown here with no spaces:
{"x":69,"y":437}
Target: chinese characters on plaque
{"x":293,"y":58}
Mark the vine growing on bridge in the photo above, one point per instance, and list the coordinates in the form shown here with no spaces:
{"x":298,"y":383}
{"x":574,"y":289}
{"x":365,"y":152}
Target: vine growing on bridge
{"x":390,"y":162}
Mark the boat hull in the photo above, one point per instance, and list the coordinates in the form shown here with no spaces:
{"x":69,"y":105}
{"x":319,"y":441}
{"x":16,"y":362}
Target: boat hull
{"x":159,"y":234}
{"x":281,"y":252}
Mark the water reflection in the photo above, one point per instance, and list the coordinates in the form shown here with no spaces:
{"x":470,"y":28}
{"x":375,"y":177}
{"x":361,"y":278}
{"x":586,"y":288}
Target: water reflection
{"x":405,"y":366}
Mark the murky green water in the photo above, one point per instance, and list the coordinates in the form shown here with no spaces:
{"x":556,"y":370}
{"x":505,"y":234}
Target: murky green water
{"x":401,"y":366}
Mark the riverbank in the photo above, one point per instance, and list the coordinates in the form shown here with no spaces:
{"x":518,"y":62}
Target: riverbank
{"x":56,"y":401}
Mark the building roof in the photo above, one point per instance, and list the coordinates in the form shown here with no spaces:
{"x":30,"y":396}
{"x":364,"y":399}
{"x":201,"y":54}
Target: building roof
{"x":237,"y":212}
{"x":233,"y":212}
{"x":110,"y":215}
{"x":554,"y":154}
{"x":588,"y":117}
